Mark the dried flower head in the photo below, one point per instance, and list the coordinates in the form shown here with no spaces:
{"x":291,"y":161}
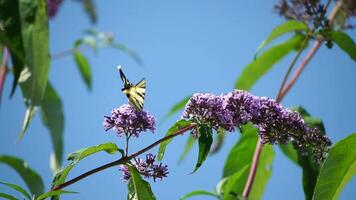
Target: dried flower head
{"x":126,"y":120}
{"x":147,"y":168}
{"x":52,"y":7}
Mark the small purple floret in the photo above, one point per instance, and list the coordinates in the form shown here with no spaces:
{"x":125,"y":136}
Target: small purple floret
{"x":52,"y":7}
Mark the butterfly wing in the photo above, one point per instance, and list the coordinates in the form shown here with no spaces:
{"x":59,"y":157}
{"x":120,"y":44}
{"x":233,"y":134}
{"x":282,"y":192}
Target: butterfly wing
{"x":124,"y":79}
{"x":137,"y":95}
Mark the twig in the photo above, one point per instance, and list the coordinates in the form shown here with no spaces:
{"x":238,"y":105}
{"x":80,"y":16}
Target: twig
{"x":282,"y":93}
{"x":3,"y":70}
{"x":122,"y":160}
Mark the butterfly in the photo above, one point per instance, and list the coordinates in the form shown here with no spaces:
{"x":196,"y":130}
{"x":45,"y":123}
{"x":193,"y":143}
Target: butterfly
{"x":135,"y":93}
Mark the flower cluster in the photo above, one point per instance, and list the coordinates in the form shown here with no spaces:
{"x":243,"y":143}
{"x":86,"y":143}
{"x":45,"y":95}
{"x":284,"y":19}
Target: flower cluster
{"x":52,"y":7}
{"x":126,"y":120}
{"x":147,"y":168}
{"x":275,"y":123}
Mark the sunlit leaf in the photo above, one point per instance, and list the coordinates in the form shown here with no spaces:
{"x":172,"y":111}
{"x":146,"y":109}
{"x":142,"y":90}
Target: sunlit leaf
{"x":286,"y":27}
{"x":345,"y":43}
{"x":177,"y":107}
{"x":198,"y":193}
{"x":32,"y":179}
{"x":177,"y":126}
{"x":337,"y":170}
{"x":241,"y":155}
{"x":187,"y":147}
{"x":235,"y":183}
{"x":53,"y":118}
{"x":17,"y":188}
{"x":77,"y":156}
{"x":259,"y":67}
{"x":84,"y":68}
{"x":139,"y":189}
{"x":205,"y":140}
{"x":30,"y":112}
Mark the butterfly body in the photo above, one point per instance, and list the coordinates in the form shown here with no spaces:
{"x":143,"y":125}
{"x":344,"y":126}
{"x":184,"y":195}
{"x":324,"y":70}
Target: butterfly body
{"x":134,"y":92}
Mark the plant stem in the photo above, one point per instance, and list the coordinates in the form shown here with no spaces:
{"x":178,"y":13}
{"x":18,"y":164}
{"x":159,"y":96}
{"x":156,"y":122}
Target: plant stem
{"x":3,"y":70}
{"x":122,"y":160}
{"x":281,"y":94}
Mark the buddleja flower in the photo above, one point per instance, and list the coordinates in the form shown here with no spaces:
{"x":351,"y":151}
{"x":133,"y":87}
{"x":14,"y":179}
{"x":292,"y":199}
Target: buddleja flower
{"x":126,"y":120}
{"x":275,"y":123}
{"x":147,"y":168}
{"x":52,"y":7}
{"x":210,"y":109}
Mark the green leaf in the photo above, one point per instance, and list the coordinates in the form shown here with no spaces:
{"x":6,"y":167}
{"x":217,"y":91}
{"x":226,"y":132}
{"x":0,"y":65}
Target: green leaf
{"x":205,"y":140}
{"x":32,"y":179}
{"x":139,"y":189}
{"x":84,"y":68}
{"x":234,"y":185}
{"x":11,"y":36}
{"x":54,"y":193}
{"x":7,"y":196}
{"x":128,"y":51}
{"x":53,"y":118}
{"x":241,"y":155}
{"x":30,"y":112}
{"x":188,"y":146}
{"x":259,"y":67}
{"x":77,"y":156}
{"x":176,"y":127}
{"x":198,"y":192}
{"x":177,"y":107}
{"x":17,"y":188}
{"x":345,"y":43}
{"x":290,"y":152}
{"x":35,"y":37}
{"x":337,"y":170}
{"x":287,"y":27}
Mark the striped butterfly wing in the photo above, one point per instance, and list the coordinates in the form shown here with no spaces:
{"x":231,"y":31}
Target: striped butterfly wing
{"x":124,"y":79}
{"x":137,"y":95}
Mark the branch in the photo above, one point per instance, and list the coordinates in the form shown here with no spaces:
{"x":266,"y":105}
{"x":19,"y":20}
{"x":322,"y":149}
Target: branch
{"x":122,"y":160}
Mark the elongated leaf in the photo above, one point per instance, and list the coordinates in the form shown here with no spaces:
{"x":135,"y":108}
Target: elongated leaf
{"x":219,"y":141}
{"x":139,"y":189}
{"x":32,"y":179}
{"x":77,"y":156}
{"x":11,"y":36}
{"x":205,"y":140}
{"x":35,"y":36}
{"x":7,"y":196}
{"x":53,"y":118}
{"x":17,"y":188}
{"x":290,"y":152}
{"x":286,"y":27}
{"x":198,"y":192}
{"x":235,"y":183}
{"x":177,"y":107}
{"x":337,"y":169}
{"x":345,"y":43}
{"x":188,"y":146}
{"x":54,"y":193}
{"x":128,"y":51}
{"x":241,"y":155}
{"x":176,"y":127}
{"x":90,"y":10}
{"x":84,"y":68}
{"x":259,"y":67}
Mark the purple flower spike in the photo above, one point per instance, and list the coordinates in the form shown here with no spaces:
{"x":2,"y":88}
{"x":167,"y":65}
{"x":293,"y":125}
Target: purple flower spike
{"x":52,"y":7}
{"x":126,"y":120}
{"x":210,"y":109}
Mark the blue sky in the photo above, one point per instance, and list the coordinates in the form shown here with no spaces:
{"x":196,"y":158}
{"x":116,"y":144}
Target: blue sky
{"x":186,"y":47}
